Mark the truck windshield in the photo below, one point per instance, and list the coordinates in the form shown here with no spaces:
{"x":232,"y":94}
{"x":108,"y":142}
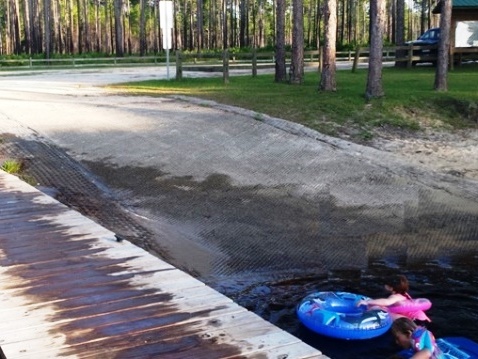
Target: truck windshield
{"x":432,"y":34}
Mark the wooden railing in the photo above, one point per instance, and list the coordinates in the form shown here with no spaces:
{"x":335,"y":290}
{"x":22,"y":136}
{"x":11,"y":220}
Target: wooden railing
{"x":461,"y":54}
{"x":407,"y":53}
{"x":189,"y":59}
{"x":252,"y":61}
{"x":398,"y":54}
{"x":80,"y":62}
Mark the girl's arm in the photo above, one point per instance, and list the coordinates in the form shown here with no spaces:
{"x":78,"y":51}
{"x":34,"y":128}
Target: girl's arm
{"x":382,"y":302}
{"x":422,"y":354}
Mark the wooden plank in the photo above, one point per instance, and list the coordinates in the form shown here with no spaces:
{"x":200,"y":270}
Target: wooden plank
{"x":258,"y":341}
{"x":69,"y":289}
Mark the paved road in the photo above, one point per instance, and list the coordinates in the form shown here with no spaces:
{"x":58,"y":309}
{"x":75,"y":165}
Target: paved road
{"x":234,"y":200}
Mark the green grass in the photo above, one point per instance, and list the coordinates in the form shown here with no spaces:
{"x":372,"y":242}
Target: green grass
{"x":16,"y":167}
{"x":409,"y":103}
{"x":11,"y":166}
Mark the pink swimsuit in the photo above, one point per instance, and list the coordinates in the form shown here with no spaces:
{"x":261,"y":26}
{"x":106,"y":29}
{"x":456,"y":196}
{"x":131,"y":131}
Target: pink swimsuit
{"x":416,"y":314}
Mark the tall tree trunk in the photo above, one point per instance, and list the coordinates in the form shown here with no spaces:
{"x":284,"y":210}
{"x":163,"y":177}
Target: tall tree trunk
{"x":248,"y":5}
{"x":342,"y":22}
{"x":327,"y":78}
{"x":280,"y":68}
{"x":178,"y":44}
{"x":86,"y":25}
{"x":400,"y":23}
{"x":59,"y":24}
{"x":72,"y":30}
{"x":232,"y":28}
{"x":297,"y":61}
{"x":111,"y":23}
{"x":47,"y":27}
{"x":80,"y":27}
{"x":199,"y":25}
{"x":128,"y":44}
{"x":15,"y":22}
{"x":260,"y":36}
{"x":374,"y":80}
{"x":254,"y":23}
{"x":2,"y":43}
{"x":184,"y":24}
{"x":400,"y":32}
{"x":388,"y":33}
{"x":156,"y":27}
{"x":27,"y":27}
{"x":429,"y":14}
{"x":423,"y":16}
{"x":119,"y":44}
{"x":441,"y":74}
{"x":224,"y":25}
{"x":98,"y":33}
{"x":317,"y":24}
{"x":242,"y":24}
{"x":54,"y":25}
{"x":211,"y":29}
{"x":142,"y":28}
{"x":8,"y":30}
{"x":107,"y":29}
{"x":35,"y":27}
{"x":308,"y":16}
{"x":191,"y":37}
{"x":350,"y":19}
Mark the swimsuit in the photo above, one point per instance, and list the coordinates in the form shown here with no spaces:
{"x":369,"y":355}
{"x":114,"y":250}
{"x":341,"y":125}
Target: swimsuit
{"x":423,"y":339}
{"x":415,"y":314}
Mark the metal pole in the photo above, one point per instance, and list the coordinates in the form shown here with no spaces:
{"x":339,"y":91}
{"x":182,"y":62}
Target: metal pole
{"x":167,"y":64}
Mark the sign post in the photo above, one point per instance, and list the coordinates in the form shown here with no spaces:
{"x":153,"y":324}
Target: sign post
{"x":166,"y":24}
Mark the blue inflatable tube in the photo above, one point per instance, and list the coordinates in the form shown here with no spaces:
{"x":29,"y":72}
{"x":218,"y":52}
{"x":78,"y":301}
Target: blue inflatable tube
{"x":452,"y":348}
{"x":336,"y":315}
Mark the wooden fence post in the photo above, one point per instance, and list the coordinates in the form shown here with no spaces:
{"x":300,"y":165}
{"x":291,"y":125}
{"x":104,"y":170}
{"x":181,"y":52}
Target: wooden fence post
{"x":225,"y":67}
{"x":320,"y":58}
{"x":254,"y":62}
{"x":451,"y":59}
{"x":179,"y":65}
{"x":410,"y":57}
{"x":356,"y":59}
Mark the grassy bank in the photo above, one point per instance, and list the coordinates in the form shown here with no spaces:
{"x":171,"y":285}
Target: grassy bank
{"x":409,"y":104}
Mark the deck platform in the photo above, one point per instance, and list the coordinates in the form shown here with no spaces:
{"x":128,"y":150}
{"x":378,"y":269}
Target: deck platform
{"x":70,"y":290}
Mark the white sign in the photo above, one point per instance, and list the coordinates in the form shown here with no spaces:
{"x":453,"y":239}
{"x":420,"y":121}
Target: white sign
{"x":166,"y":22}
{"x":466,"y":34}
{"x":166,"y":38}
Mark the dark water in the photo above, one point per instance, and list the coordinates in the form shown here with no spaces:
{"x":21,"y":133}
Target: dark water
{"x":452,"y":288}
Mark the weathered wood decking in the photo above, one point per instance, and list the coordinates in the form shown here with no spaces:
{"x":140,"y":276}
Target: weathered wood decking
{"x":70,"y":290}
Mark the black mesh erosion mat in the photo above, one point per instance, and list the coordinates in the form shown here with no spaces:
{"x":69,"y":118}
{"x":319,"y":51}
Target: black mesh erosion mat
{"x":51,"y":170}
{"x":218,"y":231}
{"x":266,"y":246}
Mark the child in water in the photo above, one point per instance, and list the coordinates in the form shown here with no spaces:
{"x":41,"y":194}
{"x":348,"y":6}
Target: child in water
{"x":418,"y":342}
{"x":397,"y":286}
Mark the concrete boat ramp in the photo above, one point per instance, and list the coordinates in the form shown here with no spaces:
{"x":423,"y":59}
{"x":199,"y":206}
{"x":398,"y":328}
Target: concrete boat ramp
{"x":69,"y":289}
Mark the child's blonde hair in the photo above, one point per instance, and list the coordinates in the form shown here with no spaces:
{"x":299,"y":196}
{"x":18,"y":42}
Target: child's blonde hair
{"x":403,"y":325}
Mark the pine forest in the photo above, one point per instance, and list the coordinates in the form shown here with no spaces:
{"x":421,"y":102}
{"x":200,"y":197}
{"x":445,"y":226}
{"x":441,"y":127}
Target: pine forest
{"x":49,"y":28}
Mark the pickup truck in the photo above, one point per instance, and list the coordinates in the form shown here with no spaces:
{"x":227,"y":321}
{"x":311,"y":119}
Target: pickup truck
{"x":429,"y":38}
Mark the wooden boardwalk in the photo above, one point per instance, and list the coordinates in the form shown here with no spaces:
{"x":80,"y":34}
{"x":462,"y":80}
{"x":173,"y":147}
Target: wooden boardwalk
{"x":70,"y":290}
